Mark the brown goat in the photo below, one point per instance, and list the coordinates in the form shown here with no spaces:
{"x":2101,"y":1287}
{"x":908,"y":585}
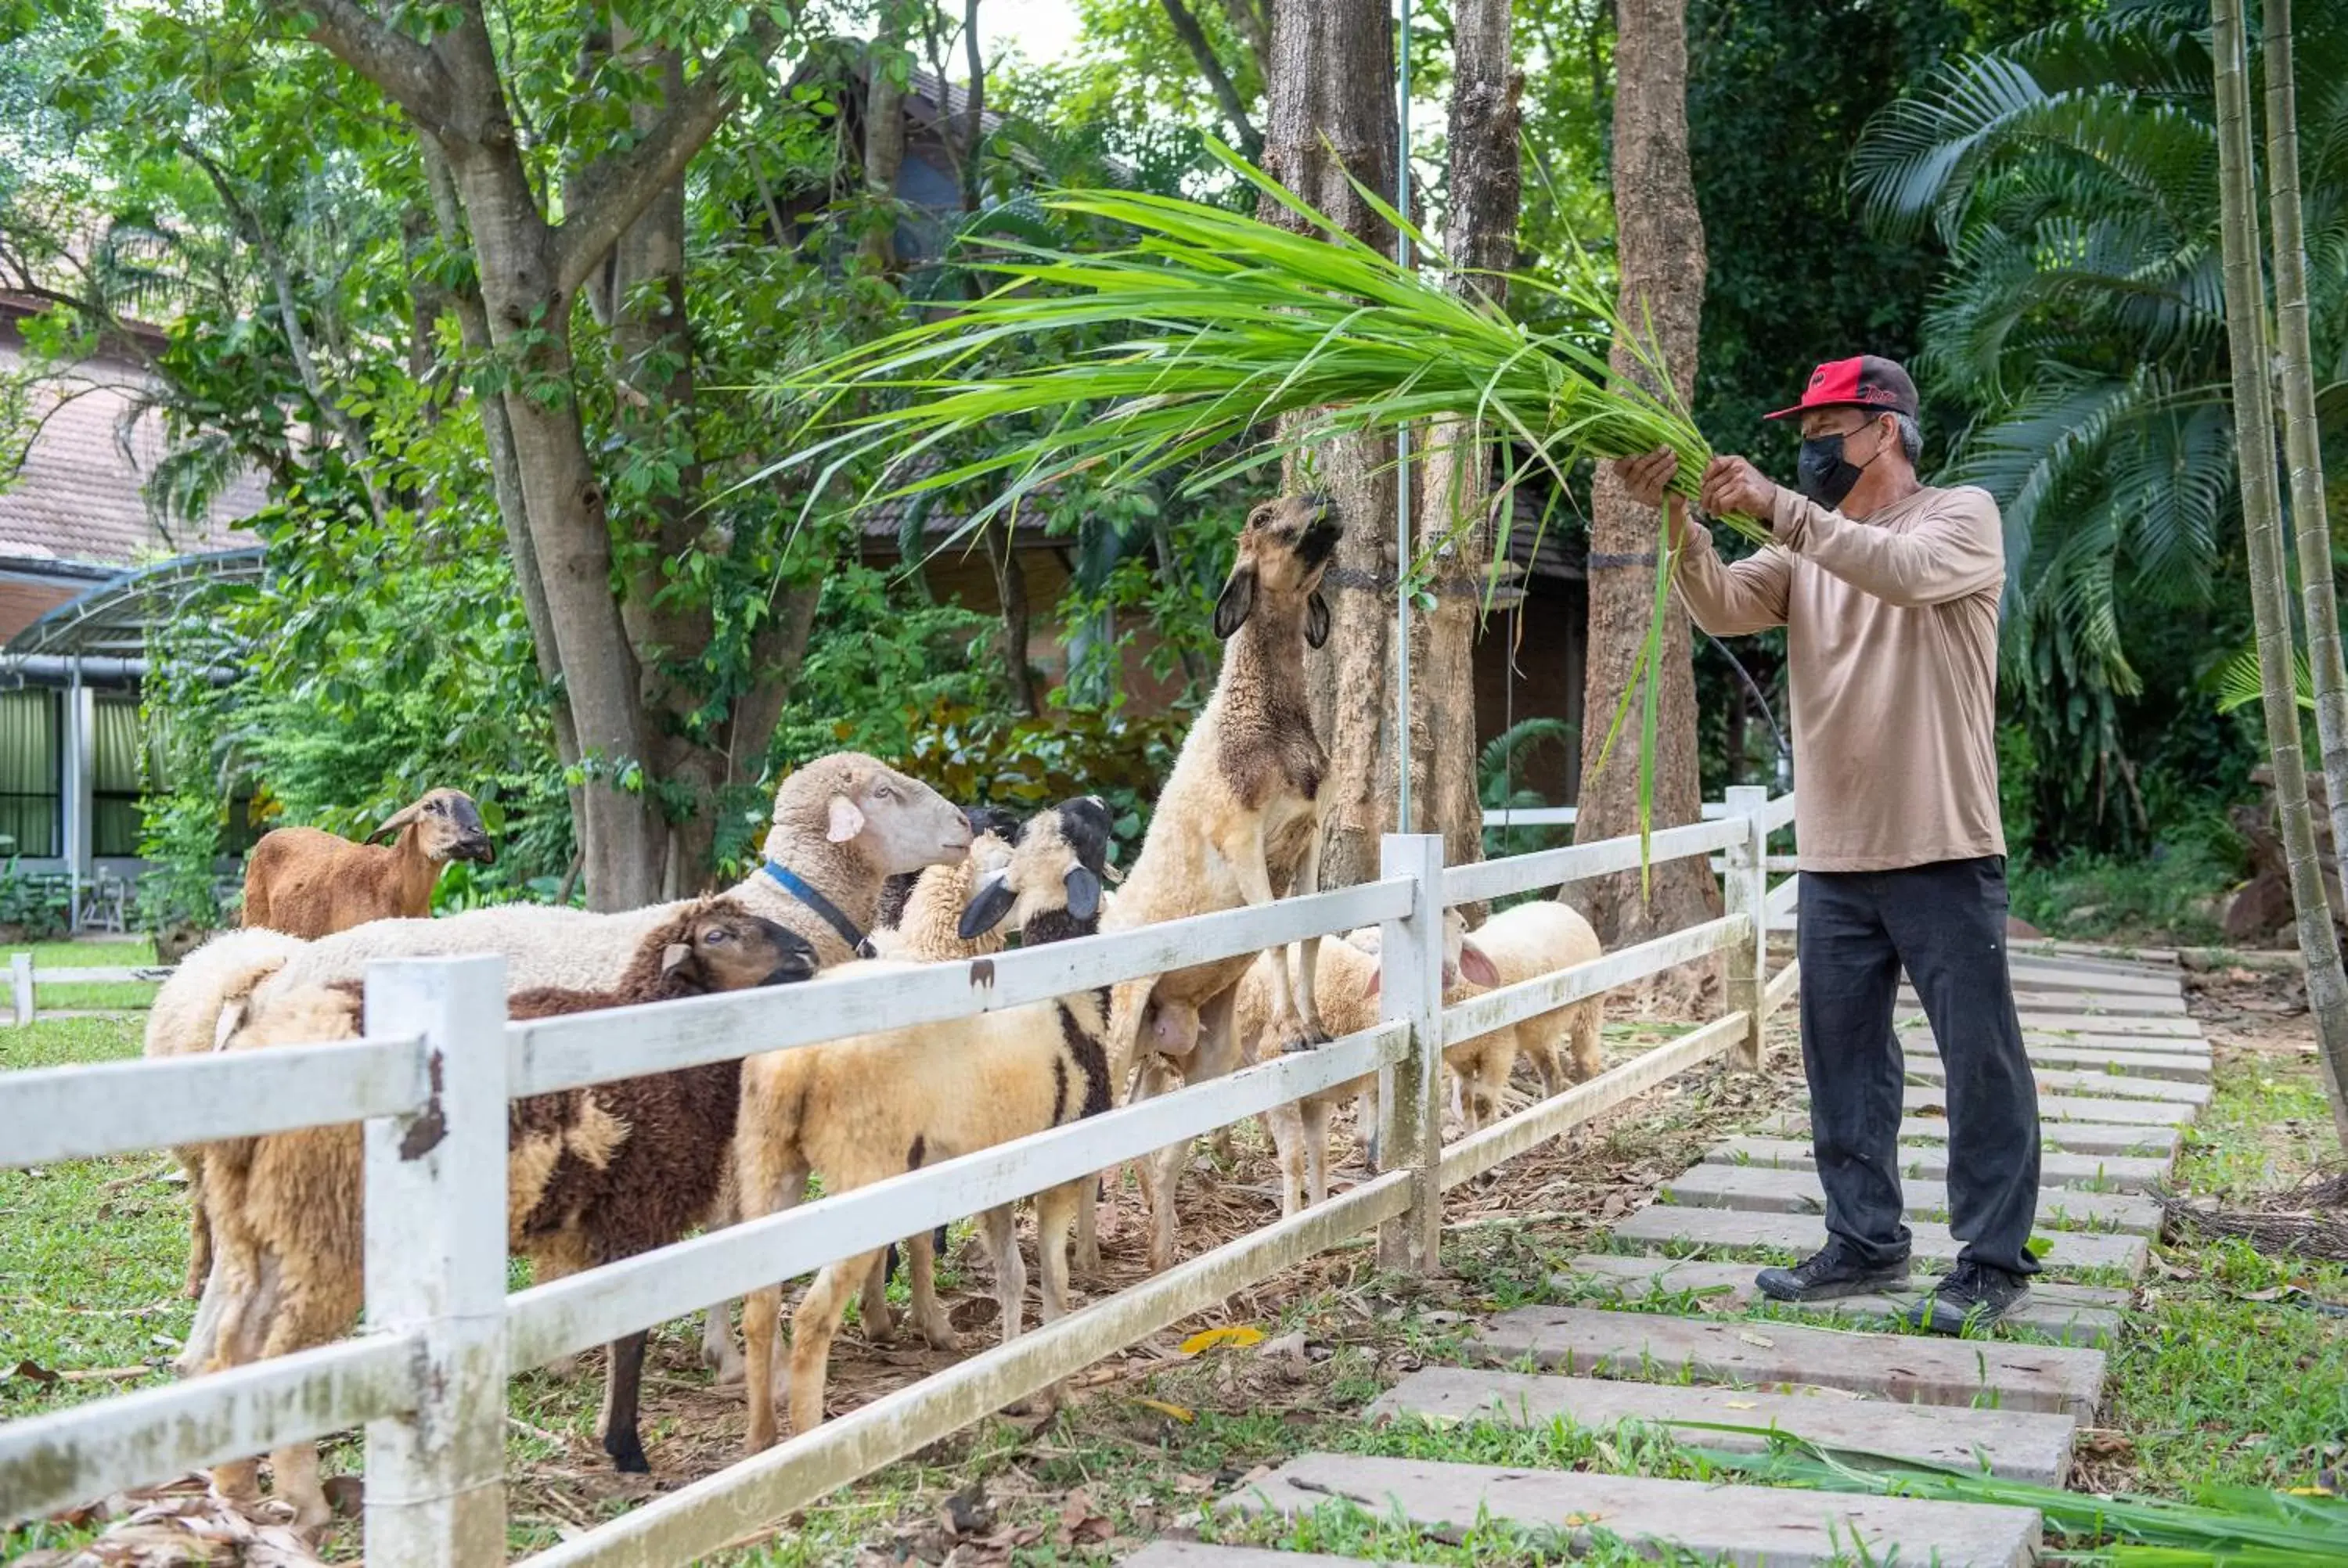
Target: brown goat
{"x":310,"y":883}
{"x":593,"y":1174}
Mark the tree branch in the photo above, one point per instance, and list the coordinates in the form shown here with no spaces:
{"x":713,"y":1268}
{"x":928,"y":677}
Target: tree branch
{"x":403,"y":69}
{"x":611,"y":192}
{"x":1194,"y":38}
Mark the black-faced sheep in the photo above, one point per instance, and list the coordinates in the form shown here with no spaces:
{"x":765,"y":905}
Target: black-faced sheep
{"x":1239,"y":824}
{"x":308,"y":882}
{"x":856,"y":1111}
{"x":593,"y":1174}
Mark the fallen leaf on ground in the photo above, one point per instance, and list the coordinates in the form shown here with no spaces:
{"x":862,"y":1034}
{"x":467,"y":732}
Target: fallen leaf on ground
{"x":33,"y":1372}
{"x":1762,"y":1340}
{"x":1230,"y":1334}
{"x":1182,"y":1413}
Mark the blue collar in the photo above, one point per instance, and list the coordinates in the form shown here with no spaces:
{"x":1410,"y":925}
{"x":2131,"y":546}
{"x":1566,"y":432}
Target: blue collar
{"x":828,"y":911}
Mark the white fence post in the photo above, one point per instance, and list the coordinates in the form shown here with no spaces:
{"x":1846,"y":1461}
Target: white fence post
{"x":20,"y":987}
{"x":436,"y":1268}
{"x":1746,"y":884}
{"x":1410,"y":1093}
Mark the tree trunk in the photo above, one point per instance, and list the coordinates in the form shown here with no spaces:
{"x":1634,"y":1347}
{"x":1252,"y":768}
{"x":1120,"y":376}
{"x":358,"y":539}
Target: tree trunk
{"x":1457,"y":523}
{"x":2302,"y":437}
{"x":1218,"y":81}
{"x":1660,"y":251}
{"x":1010,"y":598}
{"x":884,"y":143}
{"x":1330,"y":112}
{"x":2262,"y":529}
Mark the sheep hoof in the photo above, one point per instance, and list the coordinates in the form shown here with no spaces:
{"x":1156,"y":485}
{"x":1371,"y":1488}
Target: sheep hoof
{"x":627,"y":1451}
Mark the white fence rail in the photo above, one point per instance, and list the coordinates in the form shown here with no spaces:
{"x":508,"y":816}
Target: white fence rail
{"x":431,"y":1085}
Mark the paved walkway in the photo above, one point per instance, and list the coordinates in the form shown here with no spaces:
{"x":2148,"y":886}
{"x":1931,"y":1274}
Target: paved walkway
{"x":1663,"y":1328}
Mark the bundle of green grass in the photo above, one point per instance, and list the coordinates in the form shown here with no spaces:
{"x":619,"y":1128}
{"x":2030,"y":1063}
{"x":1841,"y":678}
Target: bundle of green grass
{"x":1218,"y":325}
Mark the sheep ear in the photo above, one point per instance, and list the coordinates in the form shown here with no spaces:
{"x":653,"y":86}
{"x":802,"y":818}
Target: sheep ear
{"x":846,"y":822}
{"x":1377,"y":981}
{"x":987,"y":906}
{"x":1316,"y":621}
{"x":1084,"y":891}
{"x":396,"y":821}
{"x":1236,"y":603}
{"x":674,"y":956}
{"x":1476,"y":966}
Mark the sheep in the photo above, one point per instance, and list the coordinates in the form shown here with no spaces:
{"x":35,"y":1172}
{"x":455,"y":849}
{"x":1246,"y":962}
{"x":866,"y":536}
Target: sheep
{"x":1538,"y":938}
{"x":196,"y":1008}
{"x":307,"y":882}
{"x":842,"y":825}
{"x":920,"y":919}
{"x":860,"y":1110}
{"x":1348,"y":985}
{"x":593,"y":1174}
{"x":1237,"y":823}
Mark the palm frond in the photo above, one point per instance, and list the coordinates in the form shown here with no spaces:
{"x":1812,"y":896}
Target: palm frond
{"x":2238,"y":683}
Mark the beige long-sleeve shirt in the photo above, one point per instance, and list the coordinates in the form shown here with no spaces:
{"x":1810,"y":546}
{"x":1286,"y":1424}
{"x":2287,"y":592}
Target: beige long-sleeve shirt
{"x":1891,"y":652}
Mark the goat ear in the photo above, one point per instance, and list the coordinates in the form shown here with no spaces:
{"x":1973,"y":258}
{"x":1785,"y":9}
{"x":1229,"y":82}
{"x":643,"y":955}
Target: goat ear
{"x":1476,"y":966}
{"x":396,"y":821}
{"x":1236,"y":603}
{"x":846,"y":821}
{"x":1084,"y":891}
{"x":674,"y":956}
{"x":1316,"y":620}
{"x":987,"y":906}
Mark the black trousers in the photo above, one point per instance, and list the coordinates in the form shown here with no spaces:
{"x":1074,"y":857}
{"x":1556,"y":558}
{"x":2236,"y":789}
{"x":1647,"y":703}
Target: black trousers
{"x":1945,"y":923}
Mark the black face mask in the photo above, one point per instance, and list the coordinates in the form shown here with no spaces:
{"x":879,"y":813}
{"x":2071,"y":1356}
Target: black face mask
{"x":1823,"y":474}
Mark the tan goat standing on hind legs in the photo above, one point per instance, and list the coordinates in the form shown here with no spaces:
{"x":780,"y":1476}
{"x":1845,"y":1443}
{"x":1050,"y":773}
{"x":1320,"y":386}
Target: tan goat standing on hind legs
{"x":1239,"y":823}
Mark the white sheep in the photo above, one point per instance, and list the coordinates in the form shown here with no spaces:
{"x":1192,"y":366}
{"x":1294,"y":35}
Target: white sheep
{"x":1238,"y":823}
{"x":858,"y":1111}
{"x":1348,"y":987}
{"x":1537,"y":939}
{"x":197,"y":1008}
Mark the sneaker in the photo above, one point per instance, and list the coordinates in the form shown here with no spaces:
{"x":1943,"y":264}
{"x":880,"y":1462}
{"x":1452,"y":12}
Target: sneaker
{"x":1974,"y":1296}
{"x":1830,"y":1274}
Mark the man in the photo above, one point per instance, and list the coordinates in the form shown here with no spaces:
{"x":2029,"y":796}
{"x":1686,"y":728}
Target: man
{"x":1888,"y":589}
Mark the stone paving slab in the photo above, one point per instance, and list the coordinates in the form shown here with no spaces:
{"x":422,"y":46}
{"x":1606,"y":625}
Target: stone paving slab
{"x":2040,"y":975}
{"x":2131,"y":1004}
{"x":1915,"y":1369}
{"x":2184,"y":1067}
{"x":2056,"y":1167}
{"x":2183,"y":1045}
{"x":1662,"y":1224}
{"x":2148,"y":1141}
{"x":2057,"y":1105}
{"x":2066,"y":1313}
{"x":1753,"y":1526}
{"x":2024,"y":1445}
{"x":1167,"y":1553}
{"x":2109,"y":1023}
{"x":1761,"y":1190}
{"x":2079,"y":1081}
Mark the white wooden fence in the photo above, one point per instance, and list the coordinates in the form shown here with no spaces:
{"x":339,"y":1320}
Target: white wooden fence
{"x":426,"y":1377}
{"x":24,"y":981}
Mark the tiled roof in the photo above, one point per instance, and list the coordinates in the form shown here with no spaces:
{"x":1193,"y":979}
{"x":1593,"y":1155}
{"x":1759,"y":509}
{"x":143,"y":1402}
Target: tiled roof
{"x":77,"y":496}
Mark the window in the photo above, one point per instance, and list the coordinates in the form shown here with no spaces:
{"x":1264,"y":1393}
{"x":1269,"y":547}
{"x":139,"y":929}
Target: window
{"x":115,"y":817}
{"x":32,"y":776}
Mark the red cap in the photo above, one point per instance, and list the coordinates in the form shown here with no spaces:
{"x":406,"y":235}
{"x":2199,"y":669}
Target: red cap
{"x":1867,"y":380}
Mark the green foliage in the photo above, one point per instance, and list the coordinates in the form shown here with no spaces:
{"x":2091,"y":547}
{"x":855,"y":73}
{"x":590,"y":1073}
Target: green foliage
{"x":2169,"y":894}
{"x":37,"y":905}
{"x":2071,"y":173}
{"x":1500,"y":762}
{"x":985,"y":757}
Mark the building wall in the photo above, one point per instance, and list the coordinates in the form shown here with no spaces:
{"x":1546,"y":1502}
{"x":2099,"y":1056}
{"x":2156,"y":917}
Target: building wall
{"x":23,"y":603}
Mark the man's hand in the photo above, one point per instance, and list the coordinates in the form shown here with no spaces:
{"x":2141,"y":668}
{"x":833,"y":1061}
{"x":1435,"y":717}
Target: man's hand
{"x":1647,"y":479}
{"x":1734,"y":488}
